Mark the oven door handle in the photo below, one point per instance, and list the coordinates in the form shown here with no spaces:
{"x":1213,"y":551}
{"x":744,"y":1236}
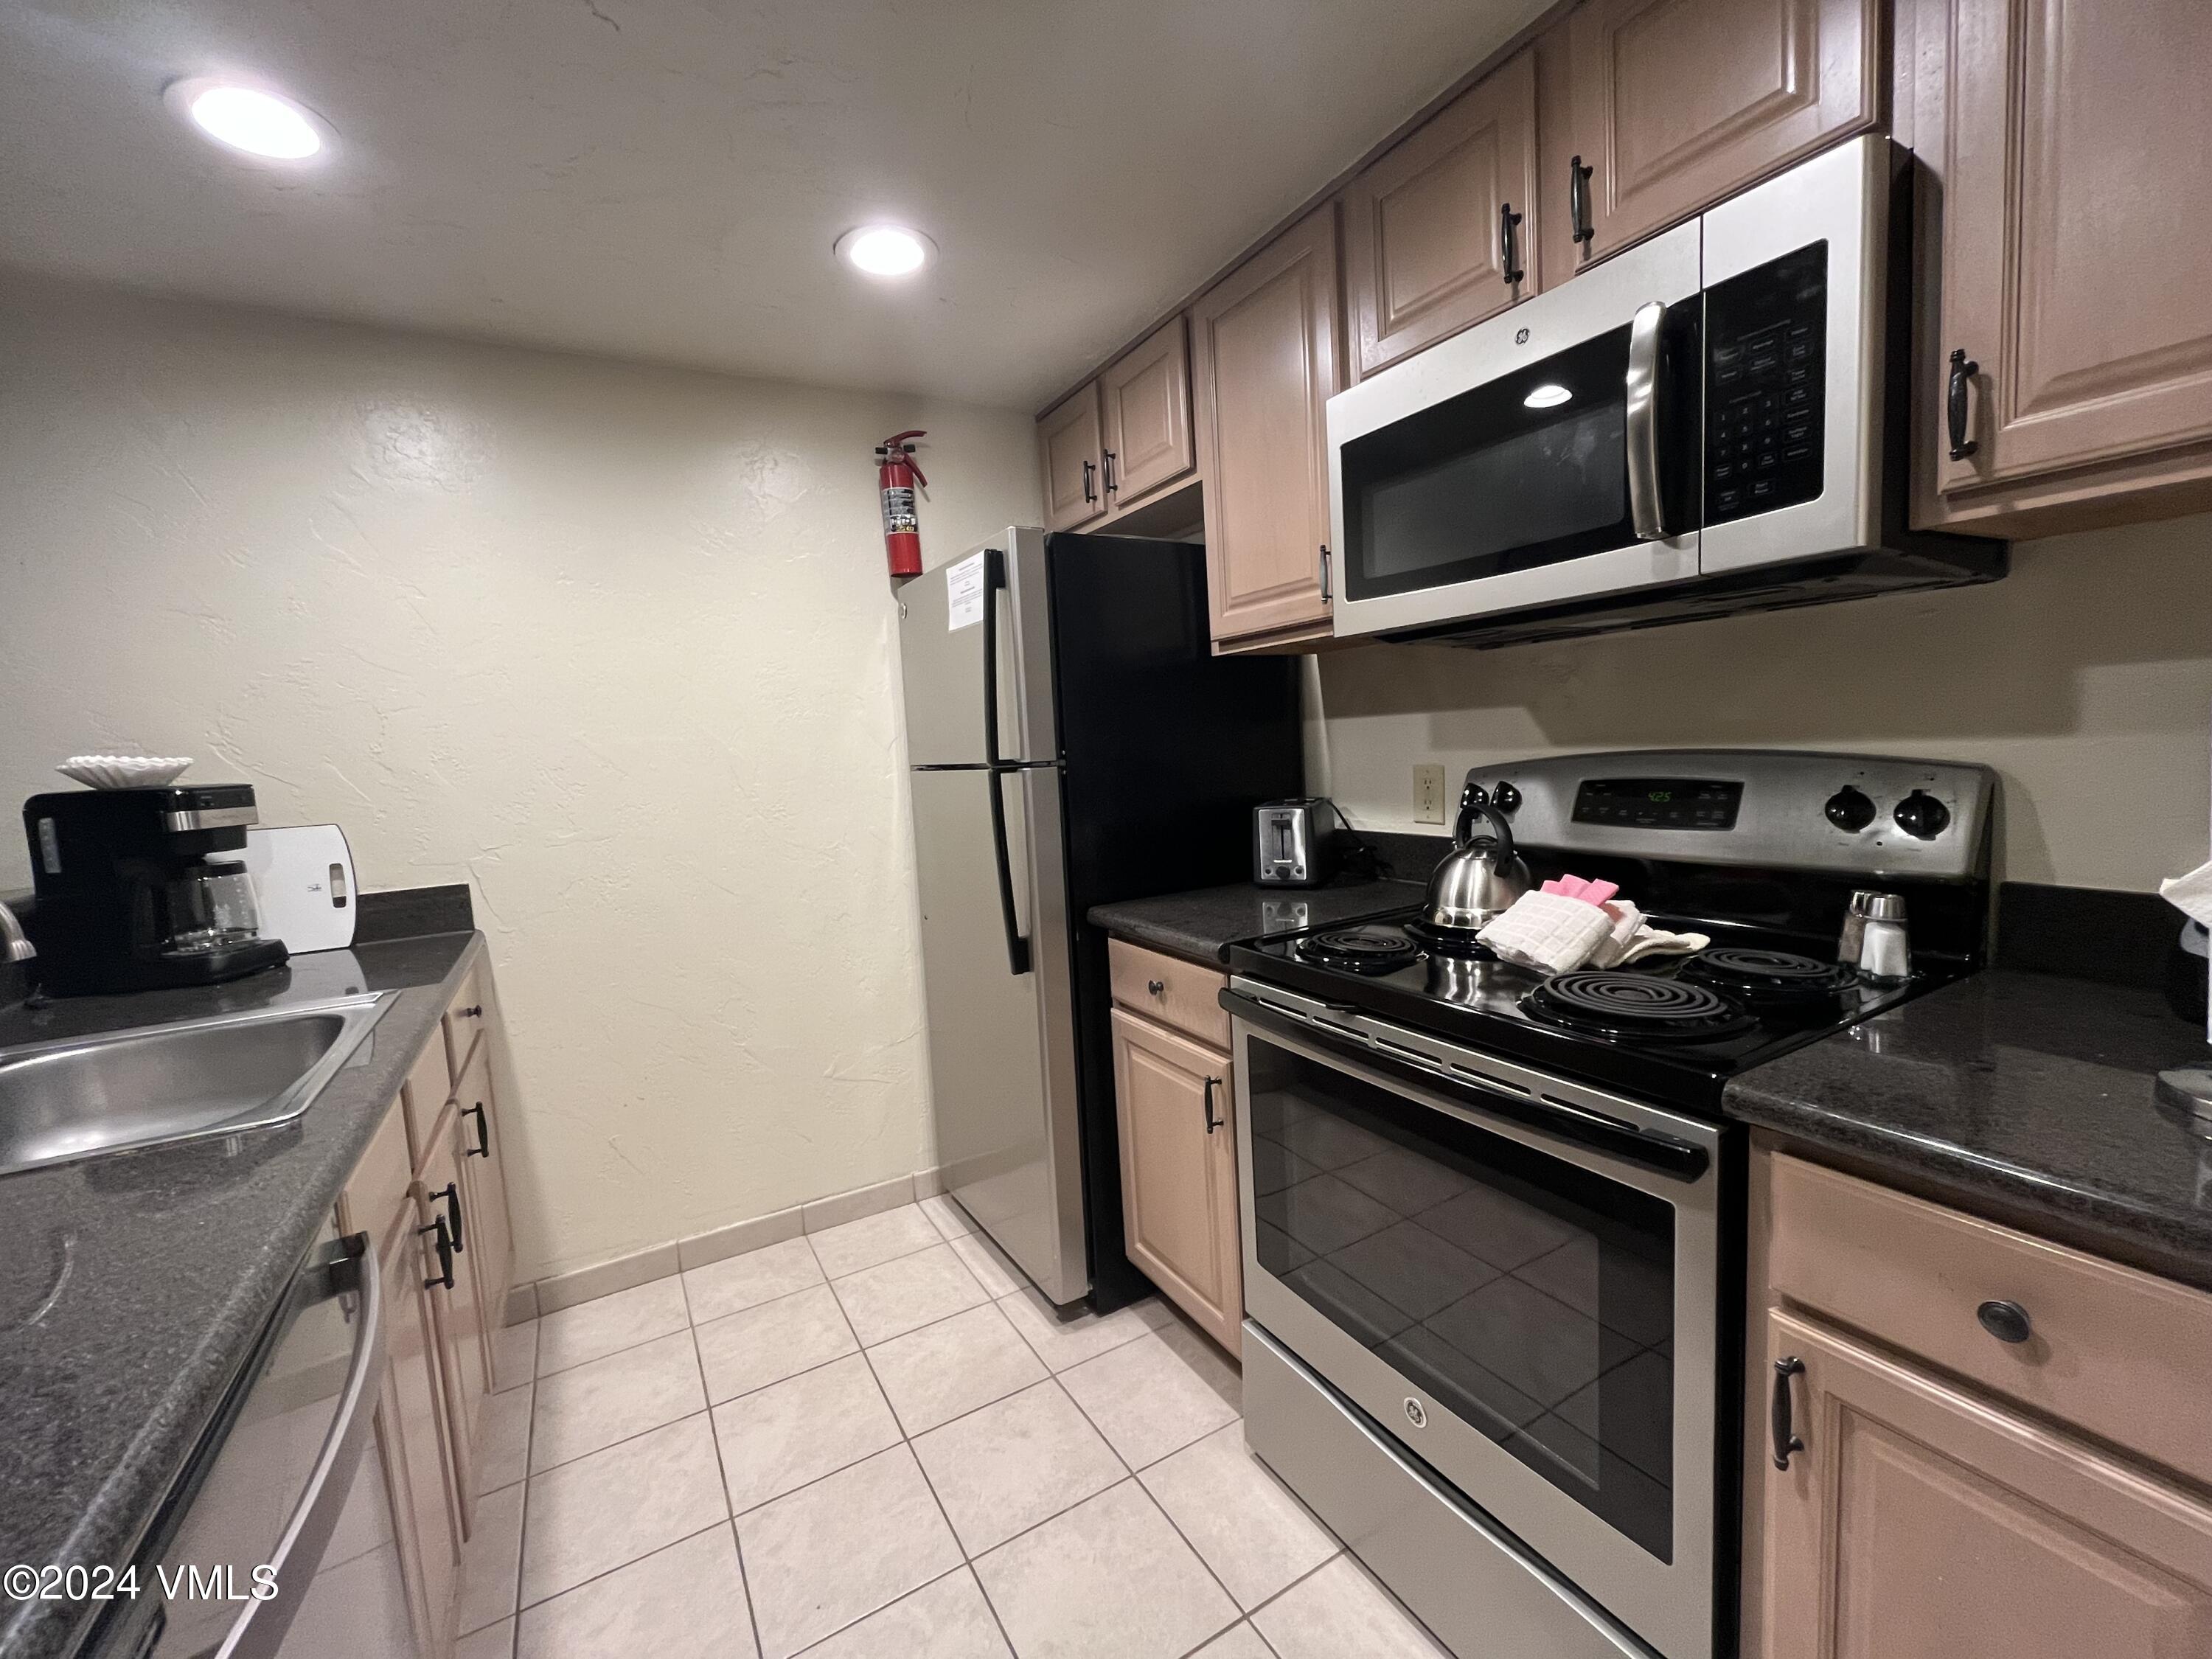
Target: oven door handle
{"x":1642,"y":422}
{"x":1646,"y":1148}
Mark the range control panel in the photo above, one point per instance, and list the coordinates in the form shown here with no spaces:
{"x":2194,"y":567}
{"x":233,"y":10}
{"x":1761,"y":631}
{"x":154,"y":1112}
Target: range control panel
{"x":1766,"y":356}
{"x":1792,"y":809}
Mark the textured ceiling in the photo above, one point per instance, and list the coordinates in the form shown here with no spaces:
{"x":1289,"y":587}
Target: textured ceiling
{"x":663,"y":180}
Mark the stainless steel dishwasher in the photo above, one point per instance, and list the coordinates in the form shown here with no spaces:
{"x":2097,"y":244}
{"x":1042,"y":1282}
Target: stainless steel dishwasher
{"x":278,"y":1539}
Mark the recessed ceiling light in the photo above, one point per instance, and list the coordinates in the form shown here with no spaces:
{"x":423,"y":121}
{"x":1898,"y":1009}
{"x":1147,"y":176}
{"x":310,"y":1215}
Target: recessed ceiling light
{"x":885,"y":250}
{"x":250,"y":120}
{"x":1550,"y":395}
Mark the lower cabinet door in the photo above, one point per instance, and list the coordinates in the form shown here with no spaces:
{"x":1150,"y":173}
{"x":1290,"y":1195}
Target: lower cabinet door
{"x":410,"y":1425}
{"x":1917,"y":1521}
{"x":490,"y":1254}
{"x":1173,"y":1098}
{"x":457,"y":1312}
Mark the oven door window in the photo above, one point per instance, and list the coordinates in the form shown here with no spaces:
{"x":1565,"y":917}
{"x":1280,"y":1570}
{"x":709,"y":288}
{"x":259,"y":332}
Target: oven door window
{"x":1531,"y":1296}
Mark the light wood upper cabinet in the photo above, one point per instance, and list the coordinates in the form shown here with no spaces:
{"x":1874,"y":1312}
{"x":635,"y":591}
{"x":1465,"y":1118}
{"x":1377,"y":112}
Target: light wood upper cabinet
{"x":1070,"y":449}
{"x":1918,"y":1522}
{"x":1266,"y":358}
{"x":2057,"y":136}
{"x":1173,"y":1099}
{"x":1144,"y":400}
{"x":1678,"y":103}
{"x":1442,"y":231}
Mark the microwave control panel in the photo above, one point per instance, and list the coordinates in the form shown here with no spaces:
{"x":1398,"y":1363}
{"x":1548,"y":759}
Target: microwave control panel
{"x":1766,"y":335}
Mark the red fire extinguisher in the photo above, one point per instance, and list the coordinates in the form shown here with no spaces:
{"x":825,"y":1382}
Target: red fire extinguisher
{"x":896,"y":475}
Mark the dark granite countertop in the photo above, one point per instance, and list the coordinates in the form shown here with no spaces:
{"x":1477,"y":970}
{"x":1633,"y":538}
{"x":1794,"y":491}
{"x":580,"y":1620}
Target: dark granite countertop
{"x":1203,"y":925}
{"x":2027,"y":1096}
{"x":133,"y":1287}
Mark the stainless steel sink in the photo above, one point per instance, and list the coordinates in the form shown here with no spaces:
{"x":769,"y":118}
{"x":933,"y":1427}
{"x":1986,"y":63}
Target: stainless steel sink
{"x":83,"y":1096}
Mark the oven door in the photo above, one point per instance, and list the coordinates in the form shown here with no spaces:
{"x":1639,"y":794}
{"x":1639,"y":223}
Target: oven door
{"x":1547,"y":454}
{"x":1516,"y":1276}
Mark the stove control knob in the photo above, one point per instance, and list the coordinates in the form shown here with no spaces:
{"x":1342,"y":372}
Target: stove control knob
{"x":1506,"y":798}
{"x":1849,"y":809}
{"x":1922,"y":816}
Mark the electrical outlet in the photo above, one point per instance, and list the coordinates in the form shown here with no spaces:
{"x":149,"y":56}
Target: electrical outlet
{"x":1428,"y":794}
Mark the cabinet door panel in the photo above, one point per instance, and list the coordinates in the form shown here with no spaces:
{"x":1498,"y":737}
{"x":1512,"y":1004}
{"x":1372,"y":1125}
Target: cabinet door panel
{"x":1069,"y":446}
{"x":1146,"y":397}
{"x":1265,"y":356}
{"x":1919,"y":1522}
{"x":2069,"y":261}
{"x":490,"y":1253}
{"x":1678,"y":103}
{"x":458,"y":1312}
{"x":411,"y":1419}
{"x":1425,"y":244}
{"x":1178,"y":1175}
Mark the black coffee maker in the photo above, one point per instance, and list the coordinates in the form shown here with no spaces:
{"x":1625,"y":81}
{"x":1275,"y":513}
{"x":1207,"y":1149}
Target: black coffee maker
{"x":133,"y":892}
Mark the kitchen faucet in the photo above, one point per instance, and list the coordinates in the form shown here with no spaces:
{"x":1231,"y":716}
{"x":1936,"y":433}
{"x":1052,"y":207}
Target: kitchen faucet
{"x":19,"y":948}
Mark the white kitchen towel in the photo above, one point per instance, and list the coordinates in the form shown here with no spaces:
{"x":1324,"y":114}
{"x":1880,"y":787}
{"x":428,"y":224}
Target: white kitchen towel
{"x":1548,"y":931}
{"x":1628,"y":921}
{"x":2191,"y":894}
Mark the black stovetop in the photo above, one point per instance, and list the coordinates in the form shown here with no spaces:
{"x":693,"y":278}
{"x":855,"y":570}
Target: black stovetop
{"x":1670,"y":1029}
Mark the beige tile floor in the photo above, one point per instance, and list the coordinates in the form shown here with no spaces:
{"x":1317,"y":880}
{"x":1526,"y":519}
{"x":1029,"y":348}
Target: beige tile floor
{"x":875,"y":1442}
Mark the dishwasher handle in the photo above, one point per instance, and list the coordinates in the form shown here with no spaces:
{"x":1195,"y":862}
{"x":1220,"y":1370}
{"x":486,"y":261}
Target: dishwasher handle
{"x":259,"y":1632}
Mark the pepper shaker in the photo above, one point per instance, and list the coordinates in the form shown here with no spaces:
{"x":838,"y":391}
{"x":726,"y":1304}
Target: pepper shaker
{"x":1847,"y":942}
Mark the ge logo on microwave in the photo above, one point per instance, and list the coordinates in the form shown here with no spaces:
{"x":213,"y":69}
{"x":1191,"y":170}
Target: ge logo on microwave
{"x":1520,"y":337}
{"x":1415,"y":1414}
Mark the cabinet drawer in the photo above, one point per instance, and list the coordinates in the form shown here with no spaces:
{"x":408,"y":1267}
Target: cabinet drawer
{"x":2118,"y":1353}
{"x":1174,"y":992}
{"x":376,"y":1193}
{"x":463,"y":1020}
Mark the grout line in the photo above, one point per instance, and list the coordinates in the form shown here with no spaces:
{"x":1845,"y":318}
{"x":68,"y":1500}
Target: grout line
{"x":906,"y":1596}
{"x":721,"y":1468}
{"x":609,"y":1572}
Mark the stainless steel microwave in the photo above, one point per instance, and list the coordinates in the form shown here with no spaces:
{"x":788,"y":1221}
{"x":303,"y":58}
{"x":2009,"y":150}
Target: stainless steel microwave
{"x":1714,"y":420}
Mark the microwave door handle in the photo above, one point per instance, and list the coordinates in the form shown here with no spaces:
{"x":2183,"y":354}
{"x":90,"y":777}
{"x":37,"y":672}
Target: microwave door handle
{"x":259,"y":1632}
{"x":1643,"y":423}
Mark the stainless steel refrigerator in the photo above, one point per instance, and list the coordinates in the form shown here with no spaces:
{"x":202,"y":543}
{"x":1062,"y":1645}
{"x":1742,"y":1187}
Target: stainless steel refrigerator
{"x":1073,"y":741}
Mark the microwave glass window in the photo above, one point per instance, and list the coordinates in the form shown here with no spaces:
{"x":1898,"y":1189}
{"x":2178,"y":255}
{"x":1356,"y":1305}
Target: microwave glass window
{"x":1532,"y":1298}
{"x":1521,"y":472}
{"x":1766,"y":334}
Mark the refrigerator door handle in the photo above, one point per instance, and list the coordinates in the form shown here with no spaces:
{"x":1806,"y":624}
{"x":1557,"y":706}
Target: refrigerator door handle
{"x":1018,"y":946}
{"x":994,"y":581}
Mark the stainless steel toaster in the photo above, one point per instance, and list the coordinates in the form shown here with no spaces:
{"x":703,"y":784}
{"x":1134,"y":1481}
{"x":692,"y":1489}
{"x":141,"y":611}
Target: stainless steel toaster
{"x":1290,"y":841}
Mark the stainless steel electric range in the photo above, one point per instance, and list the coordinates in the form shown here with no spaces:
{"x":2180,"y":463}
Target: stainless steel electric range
{"x":1492,"y":1221}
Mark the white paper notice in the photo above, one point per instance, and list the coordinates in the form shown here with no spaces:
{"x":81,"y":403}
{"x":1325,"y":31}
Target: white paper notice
{"x":963,"y":593}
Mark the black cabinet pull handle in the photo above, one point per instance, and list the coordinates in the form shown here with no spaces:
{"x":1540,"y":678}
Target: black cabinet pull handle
{"x":482,"y":1148}
{"x":1508,"y":258}
{"x":476,"y":1012}
{"x":1963,"y":369}
{"x":1089,"y":494}
{"x":1325,"y":594}
{"x":444,"y":1277}
{"x":1112,"y":483}
{"x":2007,"y":1321}
{"x":452,"y":1197}
{"x":1213,"y":1122}
{"x":1785,"y":1437}
{"x":1579,"y":200}
{"x":1155,"y":986}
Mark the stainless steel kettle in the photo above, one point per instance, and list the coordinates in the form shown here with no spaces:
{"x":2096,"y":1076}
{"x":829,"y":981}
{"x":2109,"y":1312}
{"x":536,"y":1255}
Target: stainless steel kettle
{"x":1481,"y":877}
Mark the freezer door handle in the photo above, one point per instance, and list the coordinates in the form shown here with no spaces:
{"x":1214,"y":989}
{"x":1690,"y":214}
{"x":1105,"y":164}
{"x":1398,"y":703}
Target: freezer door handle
{"x":994,"y":581}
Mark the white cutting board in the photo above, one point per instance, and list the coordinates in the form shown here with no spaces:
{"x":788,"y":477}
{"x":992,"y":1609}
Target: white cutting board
{"x":303,"y":883}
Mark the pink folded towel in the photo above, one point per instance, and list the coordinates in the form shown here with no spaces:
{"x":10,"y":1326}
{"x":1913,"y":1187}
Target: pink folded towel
{"x":1589,"y":892}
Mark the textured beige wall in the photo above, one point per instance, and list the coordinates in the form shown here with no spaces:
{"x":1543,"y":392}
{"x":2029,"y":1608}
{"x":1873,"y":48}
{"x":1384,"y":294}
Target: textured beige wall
{"x":612,"y":644}
{"x":2085,"y":678}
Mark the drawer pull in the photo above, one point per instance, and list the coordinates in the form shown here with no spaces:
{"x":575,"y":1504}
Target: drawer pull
{"x":2007,"y":1321}
{"x":1785,"y":1434}
{"x":482,"y":1148}
{"x":444,"y":1277}
{"x":476,"y":1012}
{"x":1212,"y":1121}
{"x":1156,"y":986}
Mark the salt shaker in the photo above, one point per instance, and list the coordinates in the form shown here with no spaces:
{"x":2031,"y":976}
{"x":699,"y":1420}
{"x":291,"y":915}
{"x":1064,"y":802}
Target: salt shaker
{"x":1885,"y":948}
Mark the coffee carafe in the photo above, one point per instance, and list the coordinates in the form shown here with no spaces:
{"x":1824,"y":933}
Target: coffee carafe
{"x":133,"y":893}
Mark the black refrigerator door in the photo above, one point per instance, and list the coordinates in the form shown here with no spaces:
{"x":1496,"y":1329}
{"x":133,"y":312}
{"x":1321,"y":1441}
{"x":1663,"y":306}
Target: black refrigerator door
{"x":1167,"y":748}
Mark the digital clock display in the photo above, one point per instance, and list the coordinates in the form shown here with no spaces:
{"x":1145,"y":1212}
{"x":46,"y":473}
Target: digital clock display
{"x":1658,"y":803}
